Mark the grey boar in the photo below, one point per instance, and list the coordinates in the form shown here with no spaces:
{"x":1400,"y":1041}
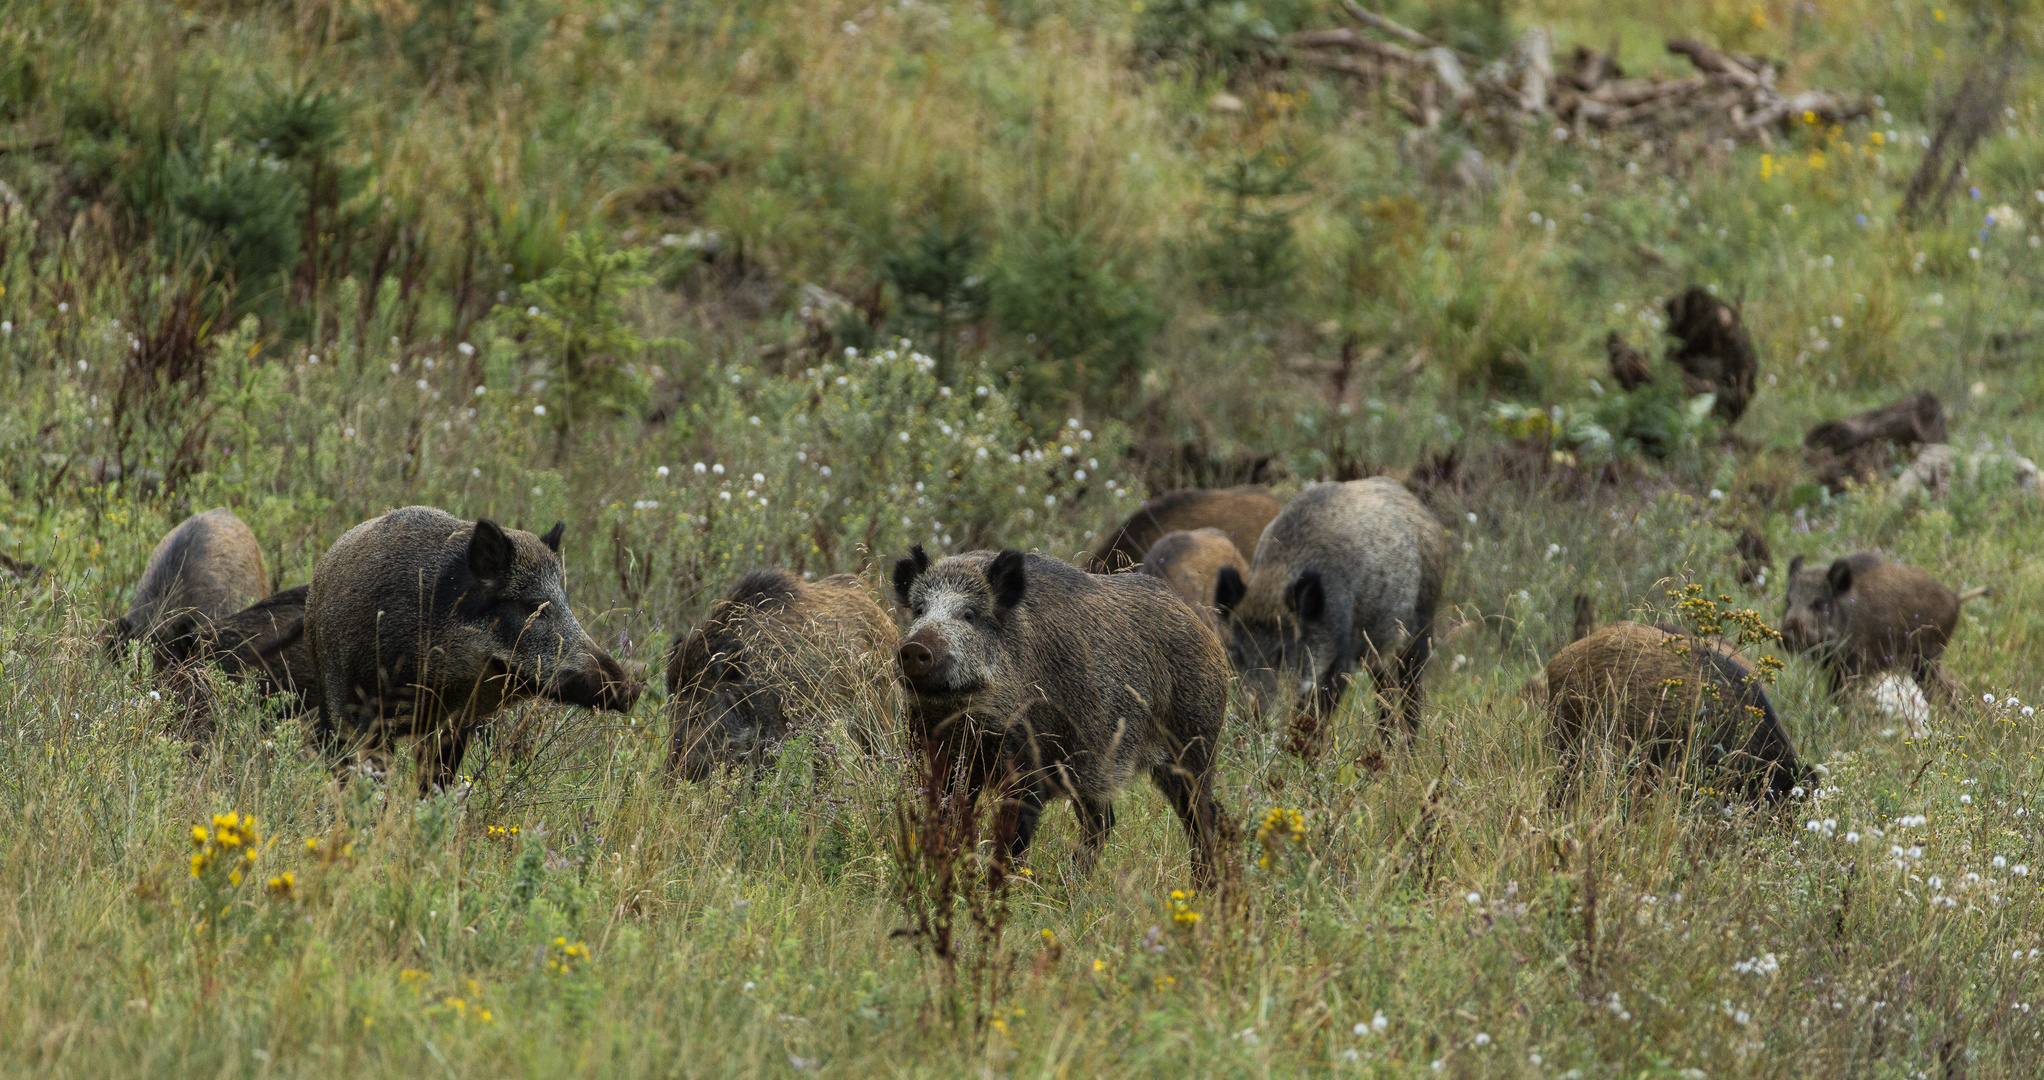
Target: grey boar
{"x":1240,"y":512}
{"x":777,"y":652}
{"x":1191,"y":562}
{"x":1649,"y":691}
{"x":206,"y":569}
{"x":1058,"y":683}
{"x":265,"y":644}
{"x":422,"y":624}
{"x":1865,"y":614}
{"x":1349,"y":573}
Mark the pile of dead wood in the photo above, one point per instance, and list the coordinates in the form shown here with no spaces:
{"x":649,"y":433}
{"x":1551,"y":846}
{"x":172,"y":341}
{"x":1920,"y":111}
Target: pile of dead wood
{"x":1733,"y":95}
{"x":1858,"y":451}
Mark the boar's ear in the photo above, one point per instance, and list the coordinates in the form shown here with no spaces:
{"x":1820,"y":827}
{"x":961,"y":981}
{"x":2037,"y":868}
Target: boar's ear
{"x":1229,"y":589}
{"x":907,"y":569}
{"x":1795,"y":564}
{"x":1307,"y":596}
{"x":1839,"y":577}
{"x":552,"y":539}
{"x":1006,"y":578}
{"x":489,"y":551}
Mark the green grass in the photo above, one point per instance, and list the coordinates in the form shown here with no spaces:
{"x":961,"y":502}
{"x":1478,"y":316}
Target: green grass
{"x":749,"y":925}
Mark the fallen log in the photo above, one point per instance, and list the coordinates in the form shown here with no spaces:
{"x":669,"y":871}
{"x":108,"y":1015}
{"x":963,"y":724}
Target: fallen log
{"x":1919,"y":418}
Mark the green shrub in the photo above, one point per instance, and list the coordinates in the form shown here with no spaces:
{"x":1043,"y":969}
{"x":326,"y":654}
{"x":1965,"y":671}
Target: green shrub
{"x":574,"y":325}
{"x":940,"y":287}
{"x":1081,"y":315}
{"x":1250,"y":254}
{"x":1212,"y":36}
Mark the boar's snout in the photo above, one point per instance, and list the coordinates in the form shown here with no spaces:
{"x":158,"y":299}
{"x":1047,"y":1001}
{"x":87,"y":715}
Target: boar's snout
{"x":605,"y":684}
{"x":923,"y":656}
{"x":1798,"y":630}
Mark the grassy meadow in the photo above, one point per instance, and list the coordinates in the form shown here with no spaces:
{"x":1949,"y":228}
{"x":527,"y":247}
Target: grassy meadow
{"x":732,"y":285}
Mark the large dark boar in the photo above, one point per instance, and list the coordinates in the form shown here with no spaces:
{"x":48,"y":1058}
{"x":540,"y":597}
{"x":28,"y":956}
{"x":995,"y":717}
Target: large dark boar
{"x":265,"y":644}
{"x":777,"y":652}
{"x":1349,"y":573}
{"x":424,"y":624}
{"x":1865,"y":614}
{"x":1646,"y":690}
{"x":1191,"y":562}
{"x":1062,"y":683}
{"x":1240,"y":512}
{"x":206,"y":569}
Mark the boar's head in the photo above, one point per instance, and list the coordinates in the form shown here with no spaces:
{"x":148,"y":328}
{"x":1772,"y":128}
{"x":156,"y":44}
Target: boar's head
{"x":963,"y":624}
{"x":1296,"y":641}
{"x":530,"y":638}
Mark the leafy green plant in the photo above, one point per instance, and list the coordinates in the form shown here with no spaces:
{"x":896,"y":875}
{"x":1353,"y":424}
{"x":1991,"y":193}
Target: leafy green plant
{"x":941,"y":288}
{"x":574,"y":326}
{"x":1249,"y":253}
{"x":1080,"y":313}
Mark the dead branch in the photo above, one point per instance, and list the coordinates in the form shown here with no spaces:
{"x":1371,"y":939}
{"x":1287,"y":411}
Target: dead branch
{"x":1375,"y":21}
{"x":1732,"y":96}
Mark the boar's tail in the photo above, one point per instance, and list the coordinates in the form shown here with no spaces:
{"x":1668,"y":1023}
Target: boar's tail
{"x":1982,"y":592}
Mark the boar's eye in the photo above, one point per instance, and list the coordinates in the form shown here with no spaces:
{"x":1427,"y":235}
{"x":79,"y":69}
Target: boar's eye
{"x":966,"y":615}
{"x":916,"y":611}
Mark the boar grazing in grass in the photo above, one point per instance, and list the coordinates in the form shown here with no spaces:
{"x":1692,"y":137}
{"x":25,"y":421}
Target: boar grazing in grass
{"x":1866,"y":614}
{"x":423,"y":624}
{"x":1191,"y":562}
{"x":1658,"y":694}
{"x":206,"y":569}
{"x":1239,"y":512}
{"x":778,"y":653}
{"x":265,"y":644}
{"x":1349,"y":573}
{"x":1055,"y":682}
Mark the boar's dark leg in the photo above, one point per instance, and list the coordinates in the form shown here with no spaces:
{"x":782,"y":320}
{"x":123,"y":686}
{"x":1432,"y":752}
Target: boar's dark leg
{"x":1096,"y":820}
{"x":1186,"y":782}
{"x":1412,"y":666}
{"x":440,"y":752}
{"x":1033,"y":759}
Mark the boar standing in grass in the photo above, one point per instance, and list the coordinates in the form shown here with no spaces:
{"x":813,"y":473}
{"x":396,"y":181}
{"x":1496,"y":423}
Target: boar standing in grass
{"x":1349,"y":573}
{"x":1191,"y":563}
{"x":423,"y":624}
{"x":1865,"y":614}
{"x":1239,"y":512}
{"x":1648,"y":691}
{"x":778,"y":653}
{"x":206,"y":569}
{"x":1059,"y":683}
{"x":265,"y":644}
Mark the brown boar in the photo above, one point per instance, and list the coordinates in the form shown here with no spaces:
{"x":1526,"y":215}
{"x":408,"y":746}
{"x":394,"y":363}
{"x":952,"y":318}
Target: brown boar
{"x":422,"y":624}
{"x":1647,"y":691}
{"x":1060,"y":683}
{"x":206,"y":569}
{"x":1240,"y":512}
{"x":1865,"y":614}
{"x":1191,"y":562}
{"x":774,"y":654}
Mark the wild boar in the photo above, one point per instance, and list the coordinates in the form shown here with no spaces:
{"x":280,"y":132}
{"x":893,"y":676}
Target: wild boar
{"x":265,"y":644}
{"x":1349,"y":573}
{"x":1648,"y":691}
{"x":425,"y":625}
{"x":1240,"y":512}
{"x":778,"y":652}
{"x":1865,"y":614}
{"x":1056,"y":683}
{"x":1191,"y":562}
{"x":206,"y":569}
